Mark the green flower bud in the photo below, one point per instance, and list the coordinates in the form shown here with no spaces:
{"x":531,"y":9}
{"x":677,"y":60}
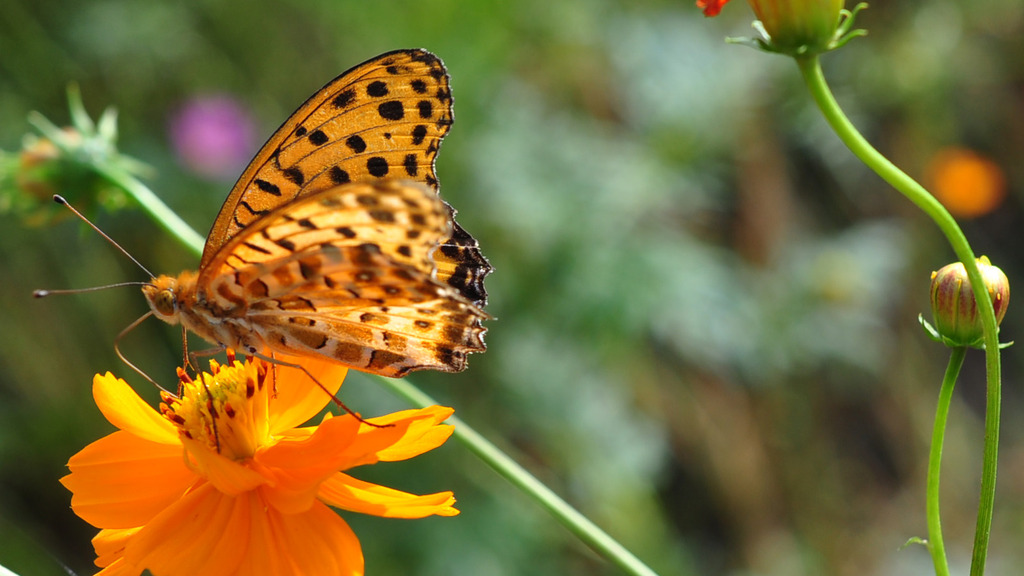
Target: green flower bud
{"x":954,"y":309}
{"x":74,"y":161}
{"x":799,"y":26}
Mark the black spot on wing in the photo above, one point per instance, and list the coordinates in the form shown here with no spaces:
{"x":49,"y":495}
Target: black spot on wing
{"x":318,"y":138}
{"x":377,"y":89}
{"x":382,"y":215}
{"x":410,"y":164}
{"x":339,"y":176}
{"x":426,"y":109}
{"x":267,"y":187}
{"x":377,"y":166}
{"x":247,"y":206}
{"x":295,"y":175}
{"x":344,"y":98}
{"x":391,"y":110}
{"x":418,"y":134}
{"x":356,"y":143}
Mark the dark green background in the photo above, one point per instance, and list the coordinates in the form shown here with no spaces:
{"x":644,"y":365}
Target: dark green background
{"x":706,"y":333}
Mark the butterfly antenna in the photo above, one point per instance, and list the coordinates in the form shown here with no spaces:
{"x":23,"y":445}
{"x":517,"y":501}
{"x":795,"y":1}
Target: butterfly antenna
{"x":60,"y":200}
{"x":45,"y":293}
{"x":117,"y":349}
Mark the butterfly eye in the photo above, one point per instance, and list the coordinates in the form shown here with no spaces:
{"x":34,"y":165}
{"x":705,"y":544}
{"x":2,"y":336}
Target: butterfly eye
{"x":164,"y":303}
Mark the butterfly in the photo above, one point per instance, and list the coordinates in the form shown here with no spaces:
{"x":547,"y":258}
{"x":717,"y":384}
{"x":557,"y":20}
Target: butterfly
{"x":334,"y":242}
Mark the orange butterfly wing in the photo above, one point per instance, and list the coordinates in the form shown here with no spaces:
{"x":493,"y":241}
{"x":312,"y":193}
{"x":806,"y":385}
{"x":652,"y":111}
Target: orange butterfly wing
{"x":382,"y":119}
{"x":347,"y":274}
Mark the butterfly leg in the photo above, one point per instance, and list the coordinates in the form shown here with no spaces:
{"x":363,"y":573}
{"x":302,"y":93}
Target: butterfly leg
{"x":189,"y":358}
{"x":117,"y":350}
{"x":192,"y":357}
{"x":213,"y":412}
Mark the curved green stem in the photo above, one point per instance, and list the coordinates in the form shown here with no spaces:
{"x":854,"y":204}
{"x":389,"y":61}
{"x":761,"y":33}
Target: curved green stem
{"x":935,"y":545}
{"x":810,"y":67}
{"x":578,"y":524}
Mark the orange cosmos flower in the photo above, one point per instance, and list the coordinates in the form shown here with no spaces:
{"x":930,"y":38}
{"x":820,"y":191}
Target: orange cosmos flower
{"x":223,"y":483}
{"x":968,"y":184}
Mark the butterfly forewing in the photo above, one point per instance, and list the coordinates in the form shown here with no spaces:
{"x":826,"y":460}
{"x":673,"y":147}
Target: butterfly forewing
{"x":384,"y":118}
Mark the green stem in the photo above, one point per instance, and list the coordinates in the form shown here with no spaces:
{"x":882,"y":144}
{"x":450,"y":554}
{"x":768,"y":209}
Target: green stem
{"x":810,"y":67}
{"x":935,"y":545}
{"x":153,"y":206}
{"x":578,"y":524}
{"x":505,"y":466}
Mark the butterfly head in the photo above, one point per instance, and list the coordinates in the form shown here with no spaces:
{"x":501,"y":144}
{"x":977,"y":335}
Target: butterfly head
{"x":162,"y":296}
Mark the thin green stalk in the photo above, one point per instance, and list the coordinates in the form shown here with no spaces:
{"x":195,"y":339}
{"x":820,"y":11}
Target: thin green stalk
{"x":505,"y":466}
{"x":157,"y":210}
{"x":578,"y":524}
{"x":935,"y":545}
{"x":810,"y":67}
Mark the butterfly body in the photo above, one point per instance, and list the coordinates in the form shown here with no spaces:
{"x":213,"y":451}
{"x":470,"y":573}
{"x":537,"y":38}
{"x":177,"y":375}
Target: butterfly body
{"x":334,"y":243}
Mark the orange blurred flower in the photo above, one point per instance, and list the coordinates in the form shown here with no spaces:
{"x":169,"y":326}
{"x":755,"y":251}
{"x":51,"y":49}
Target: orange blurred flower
{"x":223,"y":483}
{"x":966,"y":183}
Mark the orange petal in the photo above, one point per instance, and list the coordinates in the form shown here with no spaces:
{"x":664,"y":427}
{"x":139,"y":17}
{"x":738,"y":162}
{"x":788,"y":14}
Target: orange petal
{"x":371,"y":440}
{"x":299,"y":398}
{"x":228,"y":476}
{"x":109,"y":546}
{"x":124,"y":409}
{"x":423,"y":434}
{"x":119,"y":568}
{"x":267,"y":554}
{"x":213,"y":534}
{"x":204,"y":533}
{"x":122,"y":481}
{"x":298,"y":466}
{"x":345,"y":492}
{"x":315,"y":542}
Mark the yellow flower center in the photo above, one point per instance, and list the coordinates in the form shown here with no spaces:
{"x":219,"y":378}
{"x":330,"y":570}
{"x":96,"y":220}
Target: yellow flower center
{"x":224,"y":411}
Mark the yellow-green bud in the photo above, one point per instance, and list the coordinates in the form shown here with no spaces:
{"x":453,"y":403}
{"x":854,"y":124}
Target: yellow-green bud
{"x":799,"y":26}
{"x":954,"y":309}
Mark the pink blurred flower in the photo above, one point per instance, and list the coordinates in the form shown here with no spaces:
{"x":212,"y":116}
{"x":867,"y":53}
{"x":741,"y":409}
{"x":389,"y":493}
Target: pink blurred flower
{"x":213,"y":136}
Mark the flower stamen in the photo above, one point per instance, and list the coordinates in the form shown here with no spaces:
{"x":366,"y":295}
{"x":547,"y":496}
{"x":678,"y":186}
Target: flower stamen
{"x":222,"y":409}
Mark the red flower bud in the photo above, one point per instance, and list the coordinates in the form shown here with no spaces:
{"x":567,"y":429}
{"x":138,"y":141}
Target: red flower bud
{"x":711,"y":7}
{"x":954,"y":309}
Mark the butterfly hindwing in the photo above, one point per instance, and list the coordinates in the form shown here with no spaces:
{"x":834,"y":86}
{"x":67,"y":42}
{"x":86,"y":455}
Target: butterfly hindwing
{"x":348,"y":273}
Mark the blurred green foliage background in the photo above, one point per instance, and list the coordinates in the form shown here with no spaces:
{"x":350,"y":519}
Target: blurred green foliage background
{"x":706,"y":333}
